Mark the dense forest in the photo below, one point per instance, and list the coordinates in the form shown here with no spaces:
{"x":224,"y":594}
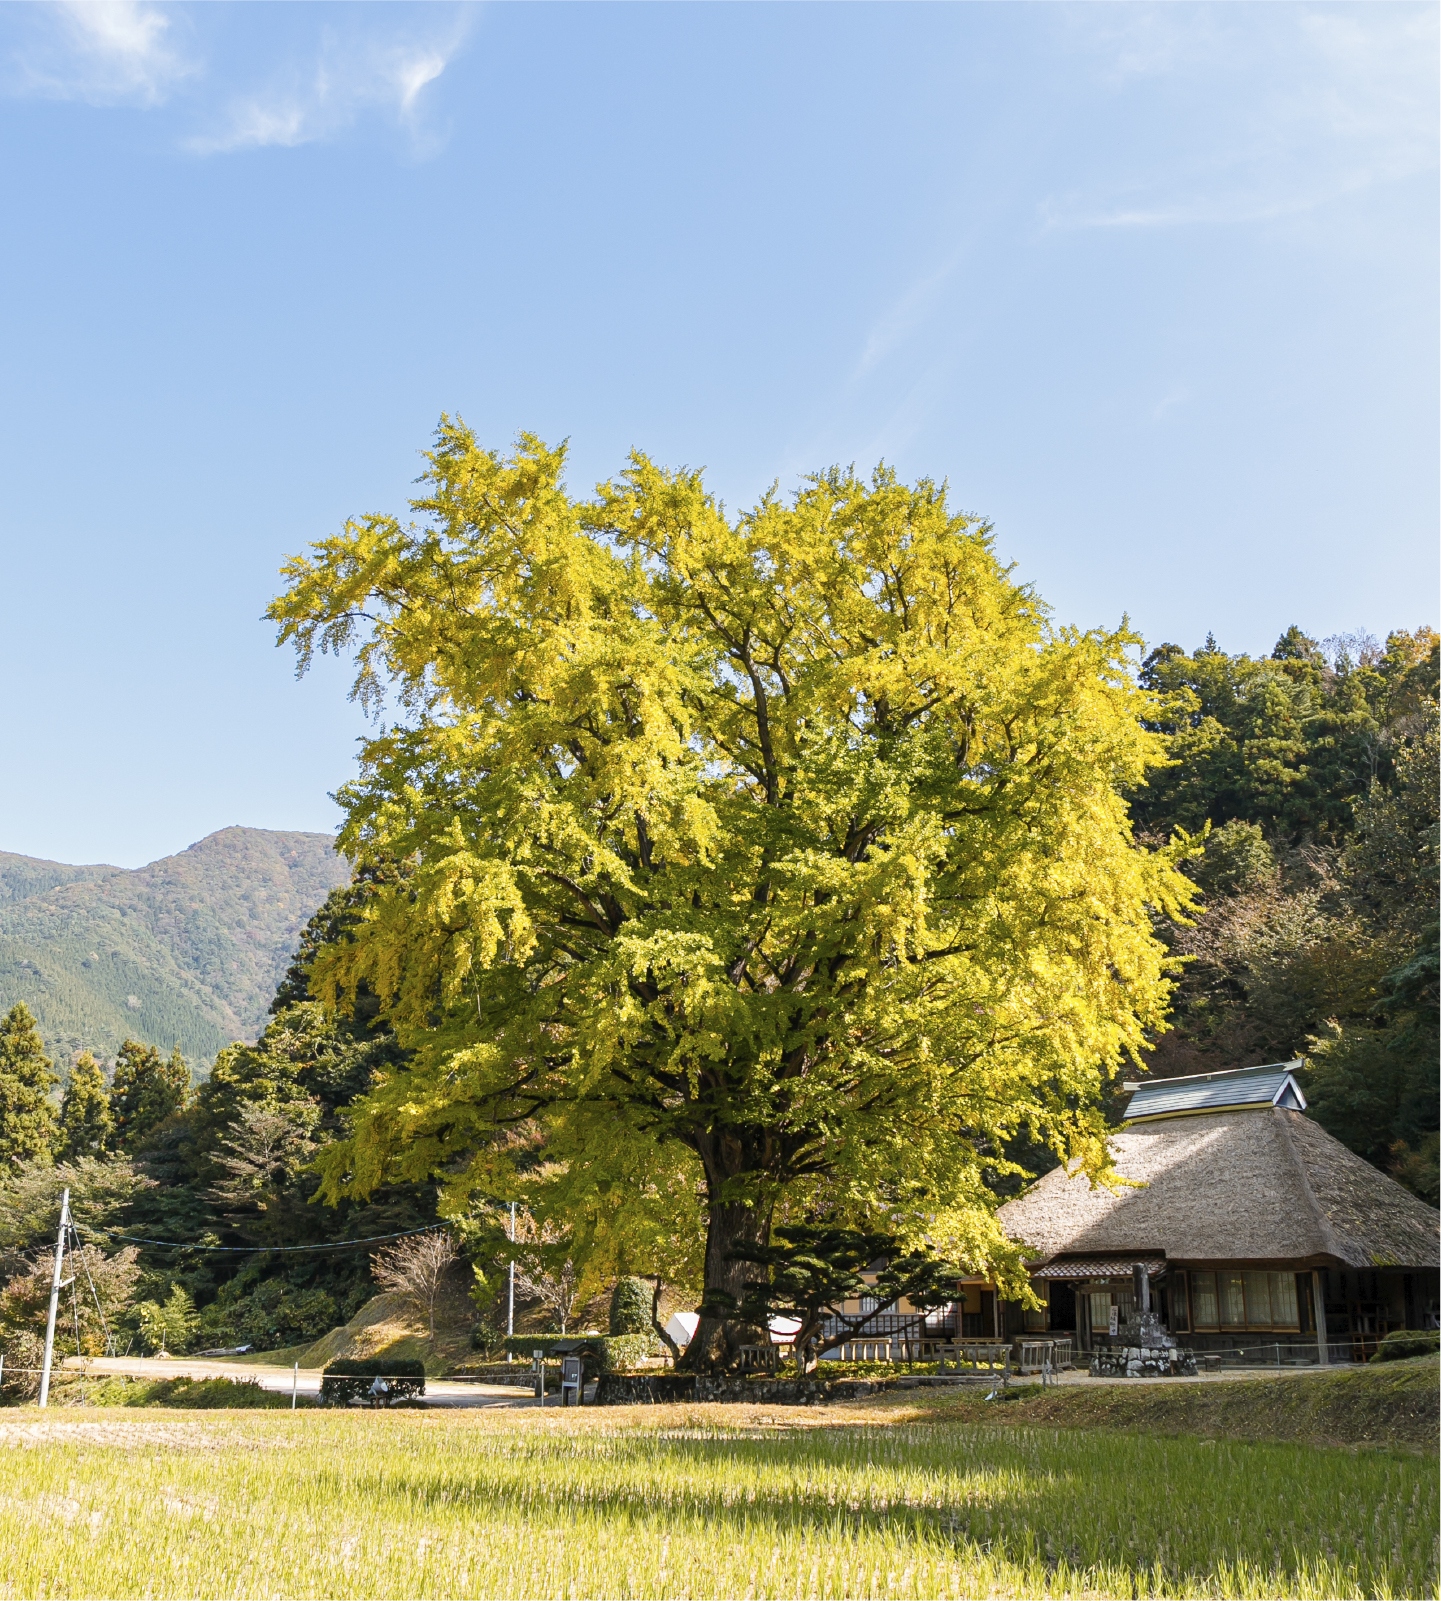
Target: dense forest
{"x":1316,"y":774}
{"x":1307,"y":781}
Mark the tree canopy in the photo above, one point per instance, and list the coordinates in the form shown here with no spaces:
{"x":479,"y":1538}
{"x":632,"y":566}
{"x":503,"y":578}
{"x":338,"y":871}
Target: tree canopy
{"x":785,"y":851}
{"x":1290,"y":742}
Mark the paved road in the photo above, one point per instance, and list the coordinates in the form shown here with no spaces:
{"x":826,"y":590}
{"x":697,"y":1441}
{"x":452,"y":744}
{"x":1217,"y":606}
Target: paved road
{"x":439,"y":1392}
{"x":457,"y":1393}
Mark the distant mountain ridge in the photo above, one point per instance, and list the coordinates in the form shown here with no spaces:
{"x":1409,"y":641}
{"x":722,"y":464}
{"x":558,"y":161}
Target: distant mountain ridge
{"x":185,"y":951}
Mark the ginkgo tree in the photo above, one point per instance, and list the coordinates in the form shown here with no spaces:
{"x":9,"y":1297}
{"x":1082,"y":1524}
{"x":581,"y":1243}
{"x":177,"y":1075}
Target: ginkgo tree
{"x":755,"y":867}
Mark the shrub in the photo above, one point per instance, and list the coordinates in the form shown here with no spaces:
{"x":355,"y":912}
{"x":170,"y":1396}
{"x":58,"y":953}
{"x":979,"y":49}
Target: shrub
{"x":22,"y":1351}
{"x":201,"y":1394}
{"x":603,"y":1353}
{"x":170,"y":1327}
{"x":1407,"y":1342}
{"x":268,"y":1315}
{"x":344,"y":1381}
{"x":630,"y":1303}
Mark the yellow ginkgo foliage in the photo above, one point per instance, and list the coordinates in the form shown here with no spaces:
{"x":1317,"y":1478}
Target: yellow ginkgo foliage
{"x":753,"y":867}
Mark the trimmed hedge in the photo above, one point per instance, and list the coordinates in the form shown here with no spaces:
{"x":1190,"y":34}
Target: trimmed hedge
{"x":1407,"y":1342}
{"x":346,"y":1380}
{"x":603,"y":1353}
{"x":630,"y":1303}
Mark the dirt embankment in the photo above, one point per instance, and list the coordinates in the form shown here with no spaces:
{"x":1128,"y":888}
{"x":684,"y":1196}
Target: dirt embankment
{"x":388,"y":1326}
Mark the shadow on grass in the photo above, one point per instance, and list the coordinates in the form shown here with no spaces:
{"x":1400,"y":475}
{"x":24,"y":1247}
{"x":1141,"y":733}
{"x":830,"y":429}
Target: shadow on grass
{"x":1182,"y":1509}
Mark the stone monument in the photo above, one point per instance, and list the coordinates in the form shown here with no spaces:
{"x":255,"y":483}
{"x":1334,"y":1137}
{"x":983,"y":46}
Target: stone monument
{"x":1143,"y":1349}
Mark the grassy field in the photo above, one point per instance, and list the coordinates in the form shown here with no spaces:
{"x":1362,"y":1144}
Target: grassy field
{"x":873,"y":1499}
{"x":1387,"y":1403}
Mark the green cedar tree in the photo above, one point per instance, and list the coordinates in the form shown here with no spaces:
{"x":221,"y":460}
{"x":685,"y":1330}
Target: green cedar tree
{"x":86,"y":1126}
{"x":27,"y":1120}
{"x":145,"y":1091}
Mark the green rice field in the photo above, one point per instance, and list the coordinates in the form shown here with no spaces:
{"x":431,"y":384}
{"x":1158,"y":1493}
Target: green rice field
{"x":691,"y":1502}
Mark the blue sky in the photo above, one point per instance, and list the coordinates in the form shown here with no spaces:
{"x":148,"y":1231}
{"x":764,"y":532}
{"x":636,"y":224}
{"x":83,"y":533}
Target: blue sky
{"x":1153,"y":287}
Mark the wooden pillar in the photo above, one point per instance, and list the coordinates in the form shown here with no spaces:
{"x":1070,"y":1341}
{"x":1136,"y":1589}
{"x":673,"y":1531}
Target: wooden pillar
{"x":1318,"y":1306}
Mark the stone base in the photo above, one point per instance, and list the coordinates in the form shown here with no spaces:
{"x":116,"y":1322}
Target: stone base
{"x":1142,"y":1362}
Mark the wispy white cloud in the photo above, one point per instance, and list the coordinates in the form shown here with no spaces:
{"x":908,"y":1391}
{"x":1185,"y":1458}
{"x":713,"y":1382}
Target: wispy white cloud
{"x":1177,"y":397}
{"x":103,"y":52}
{"x":906,"y":313}
{"x":136,"y":53}
{"x":1230,"y":205}
{"x":350,"y":79}
{"x":1295,"y":108}
{"x":1147,"y":41}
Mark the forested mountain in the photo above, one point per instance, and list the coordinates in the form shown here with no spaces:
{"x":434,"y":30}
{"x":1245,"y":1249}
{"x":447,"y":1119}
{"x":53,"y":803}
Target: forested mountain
{"x":186,"y":951}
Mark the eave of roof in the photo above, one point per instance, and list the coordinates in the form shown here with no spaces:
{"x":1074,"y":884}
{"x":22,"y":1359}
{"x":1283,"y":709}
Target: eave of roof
{"x":1116,"y":1266}
{"x":1203,"y":1111}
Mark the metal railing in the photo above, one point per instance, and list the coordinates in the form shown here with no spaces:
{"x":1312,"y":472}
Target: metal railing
{"x":1283,"y":1354}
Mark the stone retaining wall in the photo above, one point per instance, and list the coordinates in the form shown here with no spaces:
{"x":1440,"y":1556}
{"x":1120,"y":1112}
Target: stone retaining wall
{"x":1142,"y":1362}
{"x":646,"y":1389}
{"x":521,"y":1375}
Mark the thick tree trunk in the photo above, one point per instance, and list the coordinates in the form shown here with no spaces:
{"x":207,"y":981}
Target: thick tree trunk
{"x":731,"y":1223}
{"x":719,"y":1335}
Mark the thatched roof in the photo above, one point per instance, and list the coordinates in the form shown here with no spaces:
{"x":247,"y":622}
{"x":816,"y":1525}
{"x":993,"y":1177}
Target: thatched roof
{"x":1262,"y":1185}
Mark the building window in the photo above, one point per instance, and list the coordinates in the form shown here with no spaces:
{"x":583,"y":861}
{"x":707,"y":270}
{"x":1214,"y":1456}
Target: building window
{"x":1258,"y":1300}
{"x":1284,"y":1314}
{"x":1100,"y":1311}
{"x":1203,"y":1301}
{"x":1305,"y":1303}
{"x":1178,"y":1304}
{"x":868,"y":1305}
{"x":1250,"y":1299}
{"x":1035,"y":1316}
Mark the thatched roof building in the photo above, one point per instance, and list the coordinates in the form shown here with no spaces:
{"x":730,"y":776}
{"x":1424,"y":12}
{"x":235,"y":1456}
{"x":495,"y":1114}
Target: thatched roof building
{"x":1263,"y":1187}
{"x":1250,"y":1214}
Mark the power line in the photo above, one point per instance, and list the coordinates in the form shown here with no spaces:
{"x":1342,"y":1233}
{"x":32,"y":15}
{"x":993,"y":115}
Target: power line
{"x":267,"y":1250}
{"x":85,"y":1263}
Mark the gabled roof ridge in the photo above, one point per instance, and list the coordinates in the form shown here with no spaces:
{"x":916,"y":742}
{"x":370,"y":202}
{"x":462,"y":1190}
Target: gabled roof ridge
{"x":1294,"y":1065}
{"x":1322,"y":1222}
{"x":1238,"y":1087}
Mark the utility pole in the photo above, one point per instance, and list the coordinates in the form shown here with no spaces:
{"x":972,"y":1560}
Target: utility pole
{"x":55,"y":1288}
{"x":510,"y":1292}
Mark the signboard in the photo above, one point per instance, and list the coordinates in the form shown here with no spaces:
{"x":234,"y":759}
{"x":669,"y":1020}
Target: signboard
{"x":1115,"y":1320}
